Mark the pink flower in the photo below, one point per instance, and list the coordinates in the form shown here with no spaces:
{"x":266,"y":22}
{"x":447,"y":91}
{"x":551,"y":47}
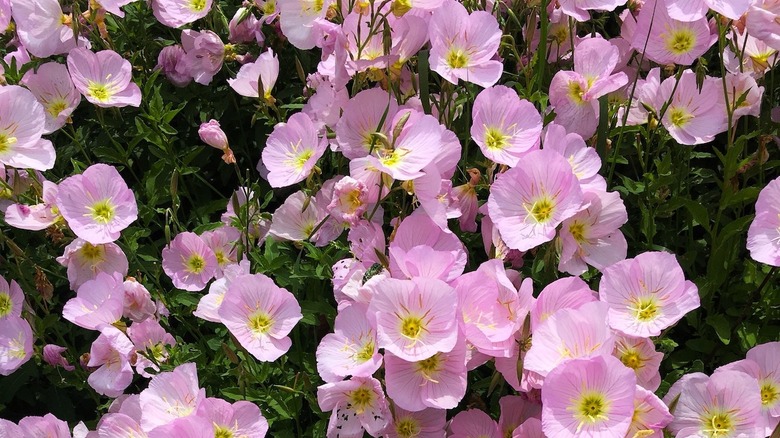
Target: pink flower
{"x":171,"y":395}
{"x":118,"y":425}
{"x":97,"y":204}
{"x":585,"y":161}
{"x":693,"y":116}
{"x":22,"y":122}
{"x":359,"y":123}
{"x":52,"y":86}
{"x":588,"y":397}
{"x":564,"y":293}
{"x":744,"y":95}
{"x":578,"y":9}
{"x":35,"y":217}
{"x":473,"y":423}
{"x":111,"y":352}
{"x":351,"y":350}
{"x":204,"y":53}
{"x":463,"y":45}
{"x":418,"y":229}
{"x":260,"y":315}
{"x":97,"y":302}
{"x":639,"y":354}
{"x":240,"y":419}
{"x":255,"y":76}
{"x":571,"y":334}
{"x":647,"y":294}
{"x":113,"y":6}
{"x":16,"y":343}
{"x":349,"y":200}
{"x":211,"y":134}
{"x":85,"y":260}
{"x":691,"y":10}
{"x":357,"y":404}
{"x":436,"y":382}
{"x":668,"y":41}
{"x":47,"y":426}
{"x":175,"y":13}
{"x":428,"y":422}
{"x":529,"y":201}
{"x":208,"y":306}
{"x":291,"y":221}
{"x":138,"y":304}
{"x":650,"y":415}
{"x":42,"y":27}
{"x":763,"y":240}
{"x":171,"y":62}
{"x":515,"y":411}
{"x":244,"y":27}
{"x":11,"y":299}
{"x":104,"y":78}
{"x":726,"y":404}
{"x":292,"y":151}
{"x":223,"y":242}
{"x":189,"y":262}
{"x":149,"y":340}
{"x":415,"y":318}
{"x":574,"y":95}
{"x":299,"y":20}
{"x":52,"y":355}
{"x":761,"y":22}
{"x":504,"y":126}
{"x":5,"y":15}
{"x":191,"y":426}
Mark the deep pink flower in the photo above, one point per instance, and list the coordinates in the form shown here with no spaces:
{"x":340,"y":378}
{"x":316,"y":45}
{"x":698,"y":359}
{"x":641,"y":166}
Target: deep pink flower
{"x":171,"y":62}
{"x":52,"y":355}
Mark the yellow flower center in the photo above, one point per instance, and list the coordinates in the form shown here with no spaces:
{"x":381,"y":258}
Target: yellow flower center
{"x":430,"y":367}
{"x":411,"y":327}
{"x":495,"y":139}
{"x":221,"y":432}
{"x":717,"y":425}
{"x":645,"y":309}
{"x":679,"y":117}
{"x":93,"y":253}
{"x":407,"y":428}
{"x":197,"y":5}
{"x":542,"y":210}
{"x":576,"y":92}
{"x":99,"y":91}
{"x":269,"y":7}
{"x":6,"y":305}
{"x":102,"y":211}
{"x":260,"y":323}
{"x":299,"y":159}
{"x":592,"y":408}
{"x":680,"y":41}
{"x":56,"y":106}
{"x":457,"y":58}
{"x":577,"y":231}
{"x":631,"y":359}
{"x":196,"y":264}
{"x":318,"y":4}
{"x":361,"y":398}
{"x":400,"y":7}
{"x":769,"y":392}
{"x":6,"y":142}
{"x":221,"y":259}
{"x":365,"y":353}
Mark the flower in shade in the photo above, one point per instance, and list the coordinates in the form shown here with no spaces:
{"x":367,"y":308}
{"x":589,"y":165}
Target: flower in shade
{"x":351,"y":350}
{"x":97,"y":204}
{"x":515,"y":411}
{"x":211,"y":134}
{"x":463,"y":45}
{"x":292,"y":151}
{"x":578,"y":9}
{"x":204,"y":53}
{"x":428,"y":422}
{"x":104,"y":78}
{"x":52,"y":86}
{"x":763,"y":239}
{"x":46,"y":426}
{"x":415,"y":318}
{"x":260,"y":315}
{"x":571,"y":334}
{"x":254,"y":77}
{"x":728,"y":404}
{"x":436,"y":382}
{"x":529,"y":201}
{"x":111,"y":352}
{"x":52,"y":355}
{"x":647,"y":294}
{"x":175,"y":13}
{"x":22,"y":122}
{"x":240,"y":419}
{"x":171,"y":62}
{"x":357,"y":404}
{"x":588,"y":397}
{"x":97,"y":302}
{"x":85,"y":260}
{"x":171,"y":395}
{"x":16,"y":343}
{"x":11,"y":298}
{"x":189,"y":262}
{"x":504,"y":126}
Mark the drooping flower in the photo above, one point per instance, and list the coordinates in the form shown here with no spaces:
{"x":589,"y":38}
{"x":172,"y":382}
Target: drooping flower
{"x":171,"y":395}
{"x":292,"y":151}
{"x":189,"y":262}
{"x":22,"y":122}
{"x":693,"y":116}
{"x":176,"y":13}
{"x":85,"y":260}
{"x":97,"y":302}
{"x":97,"y":204}
{"x":138,"y":304}
{"x":253,"y":77}
{"x":728,"y":404}
{"x":244,"y":27}
{"x":11,"y":299}
{"x":260,"y":315}
{"x":415,"y":318}
{"x":171,"y":62}
{"x":763,"y":240}
{"x":588,"y":397}
{"x":666,"y":40}
{"x":463,"y":45}
{"x":647,"y":294}
{"x":357,"y":404}
{"x":351,"y":350}
{"x":104,"y":78}
{"x":240,"y":419}
{"x":529,"y":201}
{"x":111,"y":352}
{"x":204,"y":53}
{"x":16,"y":343}
{"x":52,"y":355}
{"x":504,"y":126}
{"x":52,"y":86}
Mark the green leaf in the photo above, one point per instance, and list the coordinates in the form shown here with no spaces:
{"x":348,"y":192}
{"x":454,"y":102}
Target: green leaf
{"x":722,"y":328}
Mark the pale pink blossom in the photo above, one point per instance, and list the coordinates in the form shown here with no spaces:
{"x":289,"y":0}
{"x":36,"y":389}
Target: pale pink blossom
{"x":22,"y":121}
{"x":42,"y":27}
{"x":357,"y":404}
{"x":240,"y":419}
{"x":16,"y":343}
{"x":52,"y":355}
{"x":52,"y":86}
{"x":104,"y":78}
{"x":204,"y":53}
{"x":254,"y":77}
{"x":763,"y":239}
{"x":11,"y":298}
{"x":666,"y":40}
{"x":111,"y":352}
{"x":171,"y":395}
{"x":352,"y":349}
{"x":85,"y":260}
{"x":150,"y":340}
{"x":292,"y":151}
{"x":176,"y":13}
{"x":97,"y":302}
{"x":694,"y":116}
